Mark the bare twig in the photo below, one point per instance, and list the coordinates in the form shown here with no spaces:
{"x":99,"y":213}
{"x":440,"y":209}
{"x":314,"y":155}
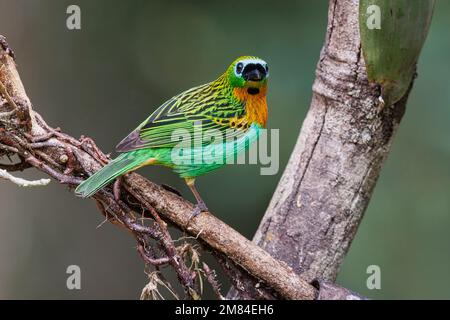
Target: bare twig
{"x":8,"y":98}
{"x":150,"y":260}
{"x":211,"y":277}
{"x":22,"y":182}
{"x":8,"y":148}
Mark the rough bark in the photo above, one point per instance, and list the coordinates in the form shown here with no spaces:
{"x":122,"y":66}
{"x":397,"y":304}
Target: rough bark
{"x":328,"y":182}
{"x":24,"y":133}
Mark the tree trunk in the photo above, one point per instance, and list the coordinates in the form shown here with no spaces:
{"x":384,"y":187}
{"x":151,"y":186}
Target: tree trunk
{"x":345,"y":138}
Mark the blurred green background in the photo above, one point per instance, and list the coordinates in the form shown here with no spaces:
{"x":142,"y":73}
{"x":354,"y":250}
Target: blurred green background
{"x":129,"y":57}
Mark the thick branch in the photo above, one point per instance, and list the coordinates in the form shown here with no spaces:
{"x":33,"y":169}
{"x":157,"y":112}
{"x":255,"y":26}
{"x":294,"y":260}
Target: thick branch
{"x":345,"y":138}
{"x":68,"y":160}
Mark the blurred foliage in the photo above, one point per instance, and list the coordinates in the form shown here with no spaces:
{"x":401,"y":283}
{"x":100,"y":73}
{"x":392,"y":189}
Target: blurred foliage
{"x":129,"y":57}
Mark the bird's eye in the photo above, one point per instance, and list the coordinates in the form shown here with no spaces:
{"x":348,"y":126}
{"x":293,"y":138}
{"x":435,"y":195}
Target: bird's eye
{"x":239,"y":67}
{"x":267,"y":68}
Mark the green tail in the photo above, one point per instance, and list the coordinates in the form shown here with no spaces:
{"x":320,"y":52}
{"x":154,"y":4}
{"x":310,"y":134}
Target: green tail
{"x":117,"y":167}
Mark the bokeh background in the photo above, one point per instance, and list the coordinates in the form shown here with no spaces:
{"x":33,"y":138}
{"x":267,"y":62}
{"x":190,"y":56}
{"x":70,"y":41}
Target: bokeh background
{"x":129,"y":57}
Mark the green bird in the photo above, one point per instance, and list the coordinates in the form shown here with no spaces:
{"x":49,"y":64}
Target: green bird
{"x":230,"y":111}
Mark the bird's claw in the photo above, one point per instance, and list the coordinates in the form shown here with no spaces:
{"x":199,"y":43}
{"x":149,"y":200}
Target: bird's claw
{"x":199,"y":208}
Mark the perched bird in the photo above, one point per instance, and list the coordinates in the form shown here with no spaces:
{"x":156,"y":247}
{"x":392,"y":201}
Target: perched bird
{"x":233,"y":106}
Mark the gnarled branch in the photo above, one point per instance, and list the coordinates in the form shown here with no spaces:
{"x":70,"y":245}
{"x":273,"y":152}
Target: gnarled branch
{"x":69,"y":161}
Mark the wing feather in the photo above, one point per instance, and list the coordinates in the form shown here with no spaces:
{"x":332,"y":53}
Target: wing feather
{"x":207,"y":105}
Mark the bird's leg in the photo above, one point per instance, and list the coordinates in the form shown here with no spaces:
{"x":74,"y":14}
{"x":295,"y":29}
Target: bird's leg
{"x":200,"y":206}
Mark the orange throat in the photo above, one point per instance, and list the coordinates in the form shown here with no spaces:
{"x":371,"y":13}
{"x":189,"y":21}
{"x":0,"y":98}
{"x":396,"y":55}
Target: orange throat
{"x":255,"y":105}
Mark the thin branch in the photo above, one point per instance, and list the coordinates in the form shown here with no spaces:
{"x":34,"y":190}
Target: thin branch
{"x":150,"y":260}
{"x":22,"y":182}
{"x":8,"y":148}
{"x":8,"y":98}
{"x":211,"y":277}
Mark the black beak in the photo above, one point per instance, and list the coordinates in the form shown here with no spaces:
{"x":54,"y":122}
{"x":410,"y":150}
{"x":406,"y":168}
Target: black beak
{"x":254,"y":72}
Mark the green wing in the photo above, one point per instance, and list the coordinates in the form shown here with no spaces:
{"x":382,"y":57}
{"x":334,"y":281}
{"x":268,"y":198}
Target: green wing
{"x":209,"y":106}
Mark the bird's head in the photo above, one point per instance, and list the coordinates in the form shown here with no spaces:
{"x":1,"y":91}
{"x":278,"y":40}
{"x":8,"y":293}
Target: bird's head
{"x":249,"y":73}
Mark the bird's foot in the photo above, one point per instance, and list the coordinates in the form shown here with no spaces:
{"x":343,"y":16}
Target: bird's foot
{"x":199,"y":208}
